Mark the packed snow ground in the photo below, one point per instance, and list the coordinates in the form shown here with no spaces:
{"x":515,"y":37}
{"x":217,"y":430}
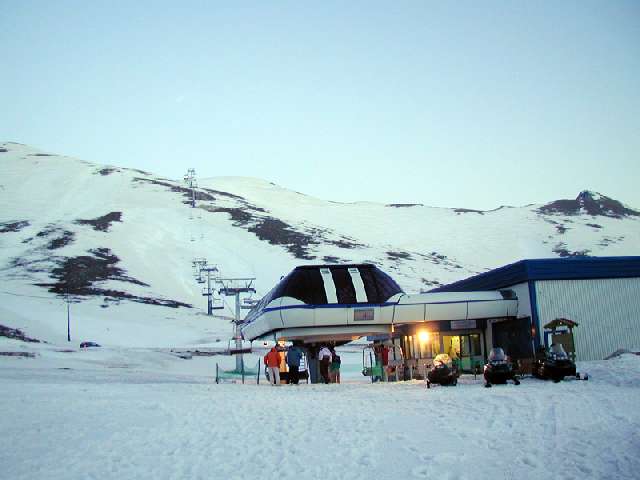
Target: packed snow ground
{"x":137,"y":413}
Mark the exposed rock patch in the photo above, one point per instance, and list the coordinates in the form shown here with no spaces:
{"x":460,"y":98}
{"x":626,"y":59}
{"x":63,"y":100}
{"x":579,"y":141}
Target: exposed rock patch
{"x":431,"y":283}
{"x":277,"y":232}
{"x":76,"y":276}
{"x":103,"y":223}
{"x":397,"y":256}
{"x":63,"y":240}
{"x":13,"y":226}
{"x":16,"y":334}
{"x":561,"y":250}
{"x":467,"y":210}
{"x":108,"y":171}
{"x":18,"y":354}
{"x":590,"y":203}
{"x":256,"y":220}
{"x":186,"y":192}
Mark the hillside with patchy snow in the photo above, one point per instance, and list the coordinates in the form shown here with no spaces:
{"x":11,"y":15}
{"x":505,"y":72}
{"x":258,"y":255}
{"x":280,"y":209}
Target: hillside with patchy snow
{"x":121,"y":242}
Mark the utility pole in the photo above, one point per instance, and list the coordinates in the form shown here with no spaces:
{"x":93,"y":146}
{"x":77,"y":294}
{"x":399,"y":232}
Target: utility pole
{"x":236,"y":287}
{"x":201,"y":266}
{"x":68,"y":318}
{"x":190,"y":180}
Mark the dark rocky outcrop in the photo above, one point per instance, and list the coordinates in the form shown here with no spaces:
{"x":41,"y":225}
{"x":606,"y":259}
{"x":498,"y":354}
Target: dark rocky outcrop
{"x":468,"y":210}
{"x":404,"y":205}
{"x":77,"y":276}
{"x":13,"y":226}
{"x":16,"y":334}
{"x":103,"y":223}
{"x":107,"y":171}
{"x":185,"y":191}
{"x":63,"y":240}
{"x":561,"y":250}
{"x":277,"y":232}
{"x":589,"y":203}
{"x":397,"y":256}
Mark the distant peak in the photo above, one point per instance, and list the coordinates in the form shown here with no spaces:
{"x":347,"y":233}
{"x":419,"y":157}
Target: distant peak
{"x":589,"y":195}
{"x":590,"y":203}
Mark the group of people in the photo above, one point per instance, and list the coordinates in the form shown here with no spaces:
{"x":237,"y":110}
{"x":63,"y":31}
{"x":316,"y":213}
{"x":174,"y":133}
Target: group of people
{"x":273,"y":359}
{"x":328,"y":359}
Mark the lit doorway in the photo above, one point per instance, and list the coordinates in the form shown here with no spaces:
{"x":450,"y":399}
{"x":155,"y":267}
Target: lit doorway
{"x":466,"y":348}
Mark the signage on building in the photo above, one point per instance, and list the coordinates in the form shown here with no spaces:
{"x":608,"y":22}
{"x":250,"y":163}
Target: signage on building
{"x":462,"y":324}
{"x":363,"y":315}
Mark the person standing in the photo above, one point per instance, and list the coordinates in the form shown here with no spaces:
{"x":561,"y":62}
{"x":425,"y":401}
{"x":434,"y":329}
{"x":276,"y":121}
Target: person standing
{"x":272,"y":361}
{"x":325,"y":360}
{"x":385,"y":363}
{"x":334,"y":368}
{"x":293,"y":362}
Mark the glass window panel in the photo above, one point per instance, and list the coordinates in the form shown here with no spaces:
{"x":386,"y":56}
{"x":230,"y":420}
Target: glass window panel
{"x":370,"y":288}
{"x":475,"y":344}
{"x":344,"y":285}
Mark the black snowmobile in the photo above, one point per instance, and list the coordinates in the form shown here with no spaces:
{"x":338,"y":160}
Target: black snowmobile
{"x":443,"y":372}
{"x":555,"y":364}
{"x":499,"y":369}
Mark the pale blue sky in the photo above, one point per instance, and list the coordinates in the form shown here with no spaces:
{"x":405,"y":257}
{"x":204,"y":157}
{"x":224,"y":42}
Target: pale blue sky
{"x":466,"y":104}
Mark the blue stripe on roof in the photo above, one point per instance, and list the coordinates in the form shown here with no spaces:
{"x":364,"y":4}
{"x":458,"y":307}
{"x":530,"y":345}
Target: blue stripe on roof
{"x":370,"y":305}
{"x":574,"y":268}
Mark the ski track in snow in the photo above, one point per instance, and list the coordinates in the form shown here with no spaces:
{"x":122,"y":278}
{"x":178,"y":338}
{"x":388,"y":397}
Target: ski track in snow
{"x":98,"y":422}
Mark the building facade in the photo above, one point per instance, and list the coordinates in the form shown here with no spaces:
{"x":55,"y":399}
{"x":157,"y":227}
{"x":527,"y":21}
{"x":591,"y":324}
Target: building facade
{"x":601,"y":294}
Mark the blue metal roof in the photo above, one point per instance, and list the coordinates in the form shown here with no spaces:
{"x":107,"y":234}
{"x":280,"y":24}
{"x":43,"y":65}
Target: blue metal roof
{"x":573,"y":268}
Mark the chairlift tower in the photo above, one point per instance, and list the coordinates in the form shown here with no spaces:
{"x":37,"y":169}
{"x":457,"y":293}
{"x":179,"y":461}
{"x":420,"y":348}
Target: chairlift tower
{"x":190,"y":180}
{"x":201,"y":267}
{"x":234,"y":287}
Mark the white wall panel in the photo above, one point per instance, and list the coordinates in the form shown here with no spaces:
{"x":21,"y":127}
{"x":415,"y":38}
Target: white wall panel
{"x":524,"y":304}
{"x":608,"y":311}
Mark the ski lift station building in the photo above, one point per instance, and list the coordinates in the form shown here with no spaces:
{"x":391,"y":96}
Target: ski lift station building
{"x":507,"y":307}
{"x":601,"y":294}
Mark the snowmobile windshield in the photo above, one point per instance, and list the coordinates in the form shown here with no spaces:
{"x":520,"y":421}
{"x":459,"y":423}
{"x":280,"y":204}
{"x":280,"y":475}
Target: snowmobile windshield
{"x":557,"y":350}
{"x":442,"y":359}
{"x":497,"y":355}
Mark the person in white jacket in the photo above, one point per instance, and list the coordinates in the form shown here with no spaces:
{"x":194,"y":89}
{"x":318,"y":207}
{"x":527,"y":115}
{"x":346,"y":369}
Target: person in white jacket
{"x":324,"y":356}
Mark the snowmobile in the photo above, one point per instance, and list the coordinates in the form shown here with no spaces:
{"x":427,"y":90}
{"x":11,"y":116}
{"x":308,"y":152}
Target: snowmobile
{"x":443,"y":372}
{"x":555,"y":365}
{"x":499,"y":369}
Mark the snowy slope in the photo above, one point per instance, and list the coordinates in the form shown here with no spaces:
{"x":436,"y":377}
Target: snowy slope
{"x":123,"y":413}
{"x":122,"y":241}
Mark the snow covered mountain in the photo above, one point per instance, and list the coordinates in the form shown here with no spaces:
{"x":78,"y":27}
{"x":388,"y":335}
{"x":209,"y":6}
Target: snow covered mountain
{"x":122,"y":242}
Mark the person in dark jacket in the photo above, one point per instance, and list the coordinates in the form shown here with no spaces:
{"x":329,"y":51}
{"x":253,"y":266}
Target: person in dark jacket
{"x":294,"y":355}
{"x":324,"y":356}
